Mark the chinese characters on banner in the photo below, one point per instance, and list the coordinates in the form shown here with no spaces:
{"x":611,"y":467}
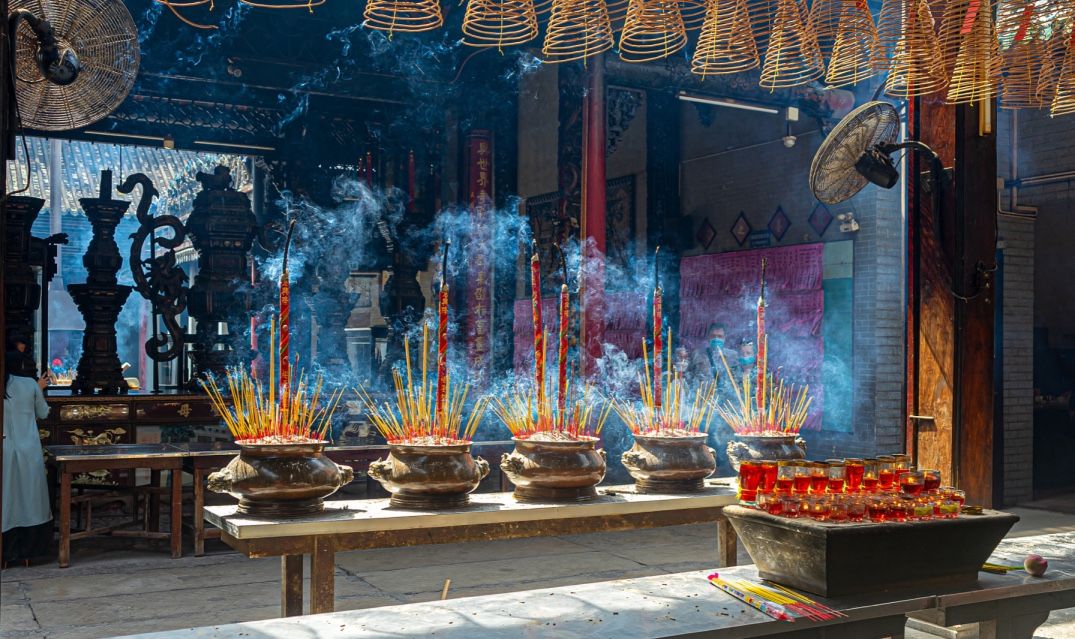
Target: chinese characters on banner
{"x":479,"y":263}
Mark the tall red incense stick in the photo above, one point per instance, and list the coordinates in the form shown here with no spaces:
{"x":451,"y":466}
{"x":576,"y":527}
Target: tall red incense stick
{"x":565,"y":307}
{"x":762,"y":344}
{"x":658,"y":332}
{"x":285,"y":332}
{"x":439,"y":417}
{"x":539,"y":328}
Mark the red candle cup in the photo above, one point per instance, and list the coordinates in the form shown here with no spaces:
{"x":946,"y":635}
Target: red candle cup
{"x":749,"y":480}
{"x":855,"y":471}
{"x":769,"y":472}
{"x":912,"y":483}
{"x":819,"y":477}
{"x":931,"y":480}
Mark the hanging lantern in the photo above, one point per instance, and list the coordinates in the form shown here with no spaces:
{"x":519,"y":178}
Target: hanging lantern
{"x":653,"y":30}
{"x":976,"y":72}
{"x":403,"y":16}
{"x":726,"y":43}
{"x":856,"y":49}
{"x":907,"y":35}
{"x":793,"y":57}
{"x":577,"y":30}
{"x":499,"y":23}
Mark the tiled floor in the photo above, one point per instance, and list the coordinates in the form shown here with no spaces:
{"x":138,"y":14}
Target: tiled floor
{"x":114,"y":590}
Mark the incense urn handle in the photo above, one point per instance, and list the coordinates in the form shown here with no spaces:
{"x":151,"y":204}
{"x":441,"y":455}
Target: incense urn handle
{"x":381,"y":470}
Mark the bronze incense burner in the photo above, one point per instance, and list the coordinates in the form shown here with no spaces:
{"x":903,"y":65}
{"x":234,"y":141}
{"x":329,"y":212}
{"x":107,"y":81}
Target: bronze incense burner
{"x":281,"y":480}
{"x":759,"y":447}
{"x":429,"y":477}
{"x":555,"y":471}
{"x":670,"y":464}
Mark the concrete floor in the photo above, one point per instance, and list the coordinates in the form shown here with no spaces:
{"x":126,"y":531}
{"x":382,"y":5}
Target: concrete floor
{"x":113,"y":589}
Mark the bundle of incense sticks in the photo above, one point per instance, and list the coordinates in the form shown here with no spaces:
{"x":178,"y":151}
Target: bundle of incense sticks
{"x":527,"y":416}
{"x":254,"y":415}
{"x":764,"y":405}
{"x":414,"y":418}
{"x":683,"y":411}
{"x":776,"y":600}
{"x":285,"y":324}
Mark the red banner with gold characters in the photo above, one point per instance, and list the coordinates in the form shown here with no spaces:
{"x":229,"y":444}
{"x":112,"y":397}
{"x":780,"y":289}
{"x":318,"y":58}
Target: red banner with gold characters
{"x":480,"y":196}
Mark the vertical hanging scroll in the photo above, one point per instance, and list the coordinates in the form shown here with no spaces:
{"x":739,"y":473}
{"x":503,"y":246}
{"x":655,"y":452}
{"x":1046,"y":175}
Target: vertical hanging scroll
{"x":479,"y":260}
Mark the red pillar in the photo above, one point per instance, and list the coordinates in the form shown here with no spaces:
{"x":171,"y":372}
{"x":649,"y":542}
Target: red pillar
{"x":592,"y":298}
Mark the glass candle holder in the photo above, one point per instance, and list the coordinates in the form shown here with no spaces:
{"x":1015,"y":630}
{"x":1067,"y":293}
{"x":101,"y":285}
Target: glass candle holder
{"x":869,"y":475}
{"x":792,"y":505}
{"x":839,"y":512}
{"x":819,"y":477}
{"x":837,"y":475}
{"x":877,"y":508}
{"x":922,"y":509}
{"x":903,"y":465}
{"x":899,"y":508}
{"x":931,"y":480}
{"x":855,"y":470}
{"x":912,"y":482}
{"x":820,"y":506}
{"x":749,"y":479}
{"x":785,"y":476}
{"x":802,"y":478}
{"x":856,"y":508}
{"x":771,"y":503}
{"x":769,"y":471}
{"x":886,"y":473}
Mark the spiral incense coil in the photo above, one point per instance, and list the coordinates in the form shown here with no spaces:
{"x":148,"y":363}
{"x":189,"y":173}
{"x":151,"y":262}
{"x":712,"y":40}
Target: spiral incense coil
{"x":617,"y":14}
{"x":499,"y":23}
{"x":1051,"y":65}
{"x":1064,"y":101}
{"x":694,"y":12}
{"x":284,"y":4}
{"x":907,"y":35}
{"x":825,"y":15}
{"x":726,"y":43}
{"x":976,"y":73}
{"x":1023,"y":49}
{"x":542,"y":7}
{"x":856,"y":50}
{"x":793,"y":57}
{"x":403,"y":16}
{"x":653,"y":30}
{"x":762,"y":14}
{"x":577,"y":29}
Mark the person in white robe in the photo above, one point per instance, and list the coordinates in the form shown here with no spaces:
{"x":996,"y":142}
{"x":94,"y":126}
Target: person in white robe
{"x":26,"y":516}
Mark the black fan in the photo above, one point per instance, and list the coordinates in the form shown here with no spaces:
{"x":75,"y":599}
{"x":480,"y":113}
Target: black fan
{"x":858,"y":151}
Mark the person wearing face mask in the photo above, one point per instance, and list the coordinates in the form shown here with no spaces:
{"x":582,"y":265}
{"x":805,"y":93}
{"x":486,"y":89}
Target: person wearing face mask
{"x":706,"y":362}
{"x":748,"y":359}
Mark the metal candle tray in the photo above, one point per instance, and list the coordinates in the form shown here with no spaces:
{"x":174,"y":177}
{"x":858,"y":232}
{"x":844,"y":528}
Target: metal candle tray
{"x":835,"y":560}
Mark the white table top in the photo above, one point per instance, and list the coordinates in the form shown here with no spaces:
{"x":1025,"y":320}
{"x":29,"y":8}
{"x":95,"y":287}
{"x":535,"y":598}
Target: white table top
{"x":375,"y":515}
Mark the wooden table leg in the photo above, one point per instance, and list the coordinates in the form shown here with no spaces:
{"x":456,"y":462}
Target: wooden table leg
{"x":199,"y":512}
{"x":177,"y":513}
{"x":291,"y":585}
{"x":65,"y":518}
{"x":323,"y":576}
{"x":727,"y":548}
{"x":154,"y":506}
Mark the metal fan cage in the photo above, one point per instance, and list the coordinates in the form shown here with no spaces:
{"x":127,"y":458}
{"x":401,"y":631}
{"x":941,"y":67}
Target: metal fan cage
{"x":833,"y":177}
{"x":104,"y":36}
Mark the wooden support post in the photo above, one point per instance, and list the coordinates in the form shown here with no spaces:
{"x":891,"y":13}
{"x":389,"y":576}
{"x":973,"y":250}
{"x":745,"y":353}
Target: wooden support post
{"x":592,"y":225}
{"x":199,"y":511}
{"x":154,"y":506}
{"x":291,"y":585}
{"x":323,"y":575}
{"x":727,"y":546}
{"x":176,"y":522}
{"x":65,"y":517}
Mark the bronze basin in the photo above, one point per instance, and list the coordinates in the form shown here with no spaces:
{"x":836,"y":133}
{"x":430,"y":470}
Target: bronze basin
{"x":670,"y":464}
{"x":555,"y":471}
{"x":428,"y":477}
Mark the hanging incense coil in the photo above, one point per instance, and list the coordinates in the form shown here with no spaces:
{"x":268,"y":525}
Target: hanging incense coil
{"x":1064,"y":101}
{"x":907,"y":36}
{"x":1051,"y":66}
{"x":762,"y":14}
{"x":403,"y":16}
{"x":617,"y":14}
{"x":856,"y":50}
{"x":726,"y":43}
{"x":793,"y":57}
{"x":577,"y":29}
{"x":542,"y":7}
{"x":499,"y":23}
{"x":976,"y":73}
{"x":825,"y":15}
{"x":1022,"y":53}
{"x":653,"y":30}
{"x":693,"y":13}
{"x":285,"y":4}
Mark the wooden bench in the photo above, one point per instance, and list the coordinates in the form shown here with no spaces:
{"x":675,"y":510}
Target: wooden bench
{"x":677,"y":605}
{"x":372,"y":523}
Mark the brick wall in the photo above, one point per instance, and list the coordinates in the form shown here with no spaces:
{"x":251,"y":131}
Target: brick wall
{"x":1017,"y":334}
